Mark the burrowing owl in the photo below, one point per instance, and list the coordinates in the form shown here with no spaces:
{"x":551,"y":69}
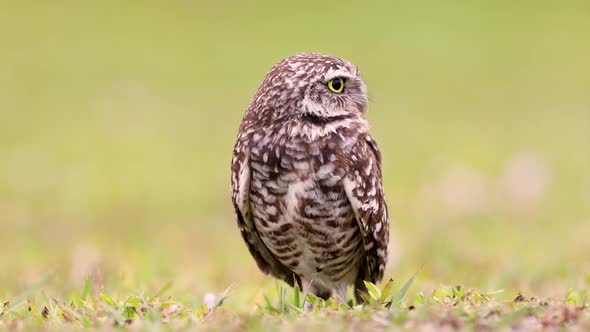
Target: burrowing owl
{"x":306,"y":178}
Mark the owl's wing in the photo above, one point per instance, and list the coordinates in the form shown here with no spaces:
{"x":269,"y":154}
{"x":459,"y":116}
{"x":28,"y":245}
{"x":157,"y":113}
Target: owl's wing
{"x":240,"y":183}
{"x":364,"y":188}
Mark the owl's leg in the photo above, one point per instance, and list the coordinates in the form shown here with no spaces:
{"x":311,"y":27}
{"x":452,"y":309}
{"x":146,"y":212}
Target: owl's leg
{"x":341,"y":293}
{"x":310,"y":287}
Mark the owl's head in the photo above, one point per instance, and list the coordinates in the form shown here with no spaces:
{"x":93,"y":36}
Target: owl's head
{"x":313,"y":86}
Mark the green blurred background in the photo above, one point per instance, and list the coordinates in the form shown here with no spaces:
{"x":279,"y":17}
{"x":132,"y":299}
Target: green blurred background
{"x":117,"y":121}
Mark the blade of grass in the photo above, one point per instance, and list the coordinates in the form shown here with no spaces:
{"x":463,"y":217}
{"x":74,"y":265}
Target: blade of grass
{"x":107,"y":300}
{"x":164,"y":289}
{"x":294,"y":308}
{"x":117,"y":315}
{"x":20,"y":300}
{"x":282,"y":299}
{"x":296,"y":295}
{"x":387,"y":291}
{"x":305,"y":294}
{"x":373,"y":290}
{"x":86,"y":290}
{"x":222,"y":297}
{"x":402,"y":292}
{"x":269,"y":307}
{"x":67,"y":310}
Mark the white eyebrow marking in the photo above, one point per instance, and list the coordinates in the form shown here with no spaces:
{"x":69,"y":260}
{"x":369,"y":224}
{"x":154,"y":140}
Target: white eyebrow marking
{"x":333,"y":73}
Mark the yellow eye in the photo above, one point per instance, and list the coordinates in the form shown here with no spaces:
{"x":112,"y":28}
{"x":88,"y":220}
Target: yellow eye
{"x":336,"y":85}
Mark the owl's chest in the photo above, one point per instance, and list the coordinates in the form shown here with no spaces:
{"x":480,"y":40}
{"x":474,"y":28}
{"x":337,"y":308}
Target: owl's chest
{"x":298,"y":178}
{"x":300,"y":207}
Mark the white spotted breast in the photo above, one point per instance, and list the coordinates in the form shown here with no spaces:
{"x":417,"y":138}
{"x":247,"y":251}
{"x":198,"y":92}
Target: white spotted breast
{"x":300,"y":207}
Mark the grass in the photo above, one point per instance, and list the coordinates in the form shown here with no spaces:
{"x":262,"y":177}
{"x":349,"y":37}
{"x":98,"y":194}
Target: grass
{"x":117,"y":122}
{"x":449,"y":308}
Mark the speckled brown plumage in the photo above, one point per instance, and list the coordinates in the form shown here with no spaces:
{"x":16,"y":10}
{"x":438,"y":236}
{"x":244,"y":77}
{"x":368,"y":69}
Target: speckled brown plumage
{"x":306,"y":178}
